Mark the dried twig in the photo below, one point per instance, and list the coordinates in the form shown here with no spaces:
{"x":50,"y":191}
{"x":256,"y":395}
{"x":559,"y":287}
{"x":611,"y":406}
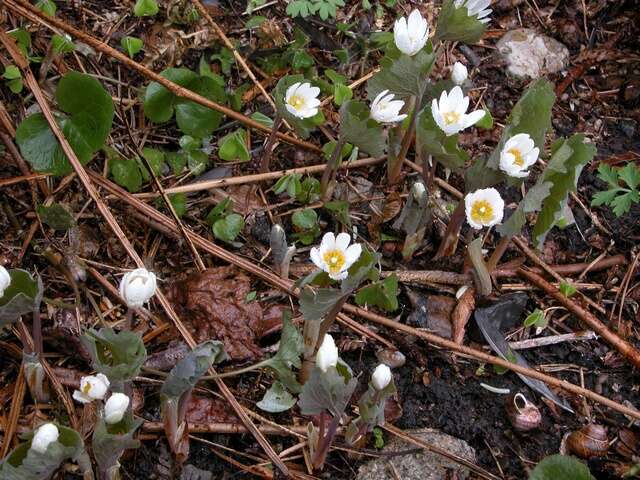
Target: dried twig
{"x":552,"y":340}
{"x":586,"y":317}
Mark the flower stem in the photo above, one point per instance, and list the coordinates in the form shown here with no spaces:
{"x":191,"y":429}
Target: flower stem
{"x":329,"y":174}
{"x":268,"y":146}
{"x":395,"y":168}
{"x":450,"y":240}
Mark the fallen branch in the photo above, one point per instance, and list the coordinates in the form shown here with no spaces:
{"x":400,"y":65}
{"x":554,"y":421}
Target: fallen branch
{"x":589,"y":320}
{"x":552,"y":340}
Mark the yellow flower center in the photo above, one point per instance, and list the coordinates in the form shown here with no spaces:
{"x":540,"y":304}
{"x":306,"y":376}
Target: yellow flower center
{"x":451,"y":117}
{"x":296,"y":101}
{"x":518,"y":160}
{"x":334,"y":259}
{"x":87,"y":388}
{"x":482,"y":211}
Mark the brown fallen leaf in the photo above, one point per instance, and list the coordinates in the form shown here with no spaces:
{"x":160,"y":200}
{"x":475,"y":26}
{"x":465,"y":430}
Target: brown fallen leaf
{"x":461,"y":314}
{"x":432,"y":312}
{"x":212,"y":306}
{"x":210,"y":410}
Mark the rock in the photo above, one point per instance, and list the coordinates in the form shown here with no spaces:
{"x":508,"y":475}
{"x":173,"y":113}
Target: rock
{"x":531,"y":55}
{"x":424,"y":465}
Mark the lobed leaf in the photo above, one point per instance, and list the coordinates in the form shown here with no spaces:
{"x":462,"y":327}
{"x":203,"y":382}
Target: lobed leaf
{"x":22,"y":296}
{"x":358,"y":128}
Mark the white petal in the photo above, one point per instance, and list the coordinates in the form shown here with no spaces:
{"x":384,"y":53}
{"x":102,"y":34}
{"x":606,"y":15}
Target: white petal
{"x":328,"y":242}
{"x":376,"y":100}
{"x":342,"y":241}
{"x":352,"y":255}
{"x":291,"y":91}
{"x":316,"y":258}
{"x":455,"y":97}
{"x":80,"y":397}
{"x":473,"y":118}
{"x":339,"y":276}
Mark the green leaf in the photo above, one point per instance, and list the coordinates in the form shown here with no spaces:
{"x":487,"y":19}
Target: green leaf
{"x":455,"y":24}
{"x":535,"y":318}
{"x":531,"y":115}
{"x":126,"y":173}
{"x":24,"y":463}
{"x":382,"y":294}
{"x":314,"y":305}
{"x":254,"y":22}
{"x":340,"y":211}
{"x":179,"y":203}
{"x":90,"y":114}
{"x":330,"y":390}
{"x":184,"y":376}
{"x":177,"y":161}
{"x":228,"y":228}
{"x":197,"y":161}
{"x":145,"y":8}
{"x":309,"y":191}
{"x":301,"y":60}
{"x":288,"y":356}
{"x":630,"y":174}
{"x":608,"y":174}
{"x":192,"y":118}
{"x":302,"y":126}
{"x":233,"y":146}
{"x":22,"y":296}
{"x":305,"y":219}
{"x":622,"y":203}
{"x":532,"y":202}
{"x":276,"y":399}
{"x":262,"y":119}
{"x":401,"y":74}
{"x":224,"y":208}
{"x":56,"y":216}
{"x":118,"y":355}
{"x":431,"y":140}
{"x":251,"y":296}
{"x":485,"y":122}
{"x":606,"y":197}
{"x":563,"y":170}
{"x":62,"y":44}
{"x":48,"y":7}
{"x":556,"y":467}
{"x":109,"y":442}
{"x":567,"y":289}
{"x":359,"y":129}
{"x":11,"y":72}
{"x":341,"y":93}
{"x":365,"y":268}
{"x":131,"y":45}
{"x":290,"y":183}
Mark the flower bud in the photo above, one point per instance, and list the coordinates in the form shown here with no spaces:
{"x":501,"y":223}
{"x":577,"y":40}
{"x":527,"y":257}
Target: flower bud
{"x":381,"y":377}
{"x":92,"y":387}
{"x":137,"y":287}
{"x":115,"y":408}
{"x":44,"y":435}
{"x":5,"y":280}
{"x":327,"y":355}
{"x":459,"y":73}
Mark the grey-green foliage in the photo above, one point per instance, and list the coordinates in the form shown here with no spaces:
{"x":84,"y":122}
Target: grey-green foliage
{"x":329,"y":390}
{"x":118,"y":355}
{"x":358,"y":128}
{"x":110,"y":441}
{"x":22,"y":296}
{"x":561,"y":467}
{"x":455,"y":24}
{"x":23,"y":463}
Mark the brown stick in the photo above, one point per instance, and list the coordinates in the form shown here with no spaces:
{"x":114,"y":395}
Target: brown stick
{"x":586,"y":317}
{"x":28,"y":11}
{"x":287,"y":286}
{"x":261,"y":177}
{"x":32,"y":83}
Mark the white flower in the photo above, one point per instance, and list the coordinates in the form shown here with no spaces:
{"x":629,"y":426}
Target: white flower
{"x":450,"y":112}
{"x":381,"y":376}
{"x":5,"y":280}
{"x":137,"y":287}
{"x":335,"y":256}
{"x":115,"y":408}
{"x":327,"y":355}
{"x":92,"y":387}
{"x":384,"y":109}
{"x":412,"y":34}
{"x":459,"y":73}
{"x":484,"y":208}
{"x":518,"y":154}
{"x":301,"y":100}
{"x":476,"y":8}
{"x":44,"y":435}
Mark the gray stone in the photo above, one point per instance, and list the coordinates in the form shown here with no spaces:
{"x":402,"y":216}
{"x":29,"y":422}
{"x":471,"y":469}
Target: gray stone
{"x":529,"y":54}
{"x":424,"y":465}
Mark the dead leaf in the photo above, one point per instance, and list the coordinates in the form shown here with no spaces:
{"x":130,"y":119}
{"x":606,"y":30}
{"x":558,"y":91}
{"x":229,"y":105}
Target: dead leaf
{"x":167,"y":359}
{"x":432,"y":312}
{"x":212,"y":306}
{"x":210,"y":410}
{"x":461,"y":314}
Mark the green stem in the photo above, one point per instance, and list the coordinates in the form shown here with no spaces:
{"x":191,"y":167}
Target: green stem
{"x":329,"y":173}
{"x":396,"y":167}
{"x":268,"y":146}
